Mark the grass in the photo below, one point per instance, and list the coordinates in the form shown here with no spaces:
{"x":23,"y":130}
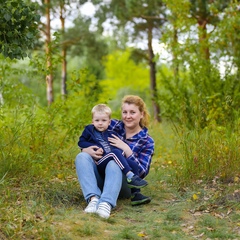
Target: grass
{"x":52,"y":207}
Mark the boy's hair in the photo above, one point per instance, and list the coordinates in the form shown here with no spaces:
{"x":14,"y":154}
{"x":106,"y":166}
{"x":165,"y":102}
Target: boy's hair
{"x":102,"y":108}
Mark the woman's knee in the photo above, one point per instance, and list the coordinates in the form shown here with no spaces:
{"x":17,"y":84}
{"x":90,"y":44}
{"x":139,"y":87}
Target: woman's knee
{"x":83,"y":157}
{"x":113,"y":166}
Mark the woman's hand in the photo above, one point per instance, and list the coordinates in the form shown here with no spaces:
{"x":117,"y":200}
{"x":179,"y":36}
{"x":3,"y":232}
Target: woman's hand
{"x":94,"y":151}
{"x":117,"y":142}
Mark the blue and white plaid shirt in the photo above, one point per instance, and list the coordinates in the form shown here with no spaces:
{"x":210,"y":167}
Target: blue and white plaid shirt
{"x":142,"y":146}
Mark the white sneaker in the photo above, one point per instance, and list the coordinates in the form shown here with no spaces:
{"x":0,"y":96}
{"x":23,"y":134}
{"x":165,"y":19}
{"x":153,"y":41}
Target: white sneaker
{"x":92,"y":206}
{"x":104,"y":210}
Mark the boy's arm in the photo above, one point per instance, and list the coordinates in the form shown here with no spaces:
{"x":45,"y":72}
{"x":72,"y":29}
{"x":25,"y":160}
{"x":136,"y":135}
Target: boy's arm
{"x":84,"y":139}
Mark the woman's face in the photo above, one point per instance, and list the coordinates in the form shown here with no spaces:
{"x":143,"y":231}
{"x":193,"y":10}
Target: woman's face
{"x":131,"y":115}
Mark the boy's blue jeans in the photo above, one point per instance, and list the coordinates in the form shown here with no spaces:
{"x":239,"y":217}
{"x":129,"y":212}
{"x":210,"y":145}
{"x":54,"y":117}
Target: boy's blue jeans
{"x":92,"y":184}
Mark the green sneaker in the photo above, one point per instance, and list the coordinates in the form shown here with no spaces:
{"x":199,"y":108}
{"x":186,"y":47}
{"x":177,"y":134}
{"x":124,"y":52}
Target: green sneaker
{"x":139,"y":199}
{"x":136,"y":182}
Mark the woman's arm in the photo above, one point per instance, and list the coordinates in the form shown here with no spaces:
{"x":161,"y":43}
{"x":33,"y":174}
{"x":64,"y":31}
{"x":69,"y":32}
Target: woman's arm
{"x":88,"y":146}
{"x":142,"y":155}
{"x":141,"y":152}
{"x":94,"y":151}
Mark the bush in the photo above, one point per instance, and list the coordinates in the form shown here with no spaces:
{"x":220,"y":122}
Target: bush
{"x":37,"y":141}
{"x":19,"y":28}
{"x":209,"y":153}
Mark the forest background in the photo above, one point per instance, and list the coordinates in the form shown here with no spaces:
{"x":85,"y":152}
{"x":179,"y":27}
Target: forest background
{"x":58,"y":60}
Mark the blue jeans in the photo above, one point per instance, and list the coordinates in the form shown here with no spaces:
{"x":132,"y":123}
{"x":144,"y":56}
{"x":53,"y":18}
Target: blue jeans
{"x":114,"y":184}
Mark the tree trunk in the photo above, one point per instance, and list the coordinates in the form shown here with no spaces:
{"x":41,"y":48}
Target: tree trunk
{"x":175,"y":58}
{"x":64,"y":54}
{"x":153,"y":82}
{"x":203,"y":39}
{"x":49,"y":77}
{"x":1,"y":99}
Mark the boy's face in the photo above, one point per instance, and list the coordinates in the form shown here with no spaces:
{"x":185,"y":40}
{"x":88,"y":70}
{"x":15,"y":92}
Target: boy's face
{"x":101,"y":121}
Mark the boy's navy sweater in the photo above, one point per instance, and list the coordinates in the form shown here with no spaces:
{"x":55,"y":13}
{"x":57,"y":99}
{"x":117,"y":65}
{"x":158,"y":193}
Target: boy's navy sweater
{"x":88,"y":138}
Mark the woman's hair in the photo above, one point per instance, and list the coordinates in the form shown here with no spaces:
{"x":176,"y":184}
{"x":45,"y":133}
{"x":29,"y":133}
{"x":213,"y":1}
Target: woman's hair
{"x":102,"y":108}
{"x":133,"y":99}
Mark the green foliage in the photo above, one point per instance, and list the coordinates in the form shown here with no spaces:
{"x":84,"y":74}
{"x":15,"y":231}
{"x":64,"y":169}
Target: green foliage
{"x":209,"y":153}
{"x":86,"y":47}
{"x":199,"y":97}
{"x":38,"y":144}
{"x":34,"y":137}
{"x":205,"y":110}
{"x":228,"y":36}
{"x":50,"y":205}
{"x":19,"y":28}
{"x":129,"y":11}
{"x":123,"y":73}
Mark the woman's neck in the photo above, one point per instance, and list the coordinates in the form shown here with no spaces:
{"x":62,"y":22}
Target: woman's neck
{"x":132,"y":131}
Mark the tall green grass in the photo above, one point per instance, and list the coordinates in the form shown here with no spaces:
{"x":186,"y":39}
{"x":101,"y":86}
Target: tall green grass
{"x":42,"y":199}
{"x":208,"y":153}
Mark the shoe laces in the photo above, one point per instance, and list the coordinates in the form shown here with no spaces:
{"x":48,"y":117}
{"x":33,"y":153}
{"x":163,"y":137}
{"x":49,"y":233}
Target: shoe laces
{"x":92,"y":205}
{"x":105,"y":207}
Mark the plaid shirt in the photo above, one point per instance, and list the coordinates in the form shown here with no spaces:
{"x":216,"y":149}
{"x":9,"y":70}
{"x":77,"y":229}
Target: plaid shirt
{"x":142,"y":146}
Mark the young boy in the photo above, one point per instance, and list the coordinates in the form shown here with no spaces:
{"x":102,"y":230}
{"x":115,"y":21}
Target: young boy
{"x":97,"y":134}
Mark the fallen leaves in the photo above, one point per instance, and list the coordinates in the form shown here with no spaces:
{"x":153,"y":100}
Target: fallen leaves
{"x":195,"y":197}
{"x":142,"y":234}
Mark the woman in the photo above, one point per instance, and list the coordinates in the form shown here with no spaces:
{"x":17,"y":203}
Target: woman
{"x":138,"y":146}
